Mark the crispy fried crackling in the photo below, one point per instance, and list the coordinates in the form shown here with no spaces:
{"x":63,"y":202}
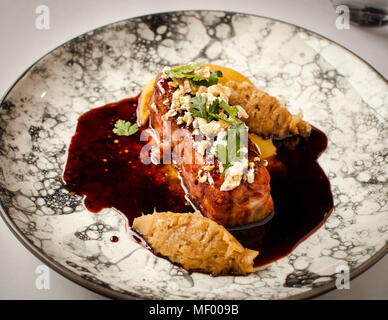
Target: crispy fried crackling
{"x":267,"y":116}
{"x":195,"y":242}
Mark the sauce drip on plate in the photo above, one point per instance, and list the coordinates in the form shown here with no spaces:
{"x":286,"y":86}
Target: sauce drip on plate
{"x":107,"y":170}
{"x":114,"y":239}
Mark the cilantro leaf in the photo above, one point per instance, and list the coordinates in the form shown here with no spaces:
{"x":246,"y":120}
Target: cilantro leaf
{"x":198,"y":106}
{"x":197,"y":80}
{"x":213,"y":79}
{"x":237,"y":138}
{"x":187,"y":70}
{"x":124,"y":128}
{"x":230,"y":110}
{"x":237,"y":135}
{"x":198,"y":109}
{"x":217,"y":116}
{"x":182,"y":71}
{"x":222,"y":152}
{"x":197,"y":65}
{"x":214,"y":107}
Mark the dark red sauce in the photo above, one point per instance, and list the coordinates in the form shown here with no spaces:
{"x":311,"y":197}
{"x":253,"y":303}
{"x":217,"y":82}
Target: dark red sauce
{"x":114,"y":239}
{"x":107,"y":170}
{"x":302,"y":199}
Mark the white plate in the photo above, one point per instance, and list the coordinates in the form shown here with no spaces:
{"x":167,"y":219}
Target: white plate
{"x":337,"y":91}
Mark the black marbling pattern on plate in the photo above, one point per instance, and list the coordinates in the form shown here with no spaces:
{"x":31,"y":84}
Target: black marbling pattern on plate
{"x":337,"y":92}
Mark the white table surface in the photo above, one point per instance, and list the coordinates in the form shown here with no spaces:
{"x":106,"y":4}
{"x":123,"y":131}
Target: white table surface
{"x":22,"y":44}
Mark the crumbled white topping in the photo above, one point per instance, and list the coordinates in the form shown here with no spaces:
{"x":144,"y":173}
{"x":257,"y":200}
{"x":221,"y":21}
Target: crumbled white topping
{"x":222,"y":135}
{"x":175,"y":104}
{"x":201,"y":89}
{"x":251,"y":175}
{"x":187,"y":86}
{"x":221,"y":139}
{"x":231,"y":182}
{"x":244,"y":150}
{"x":210,"y":99}
{"x":179,"y":120}
{"x":185,"y":102}
{"x":154,"y":108}
{"x":211,"y":128}
{"x":176,"y":95}
{"x":233,"y":177}
{"x":188,"y":118}
{"x":196,"y":123}
{"x":234,"y":174}
{"x":184,"y":99}
{"x":170,"y":113}
{"x":203,"y":72}
{"x":218,"y":90}
{"x":239,"y":167}
{"x":200,"y":146}
{"x":241,"y":112}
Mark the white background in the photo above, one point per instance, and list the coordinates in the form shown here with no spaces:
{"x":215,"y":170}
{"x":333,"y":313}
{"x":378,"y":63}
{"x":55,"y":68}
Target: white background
{"x":22,"y":44}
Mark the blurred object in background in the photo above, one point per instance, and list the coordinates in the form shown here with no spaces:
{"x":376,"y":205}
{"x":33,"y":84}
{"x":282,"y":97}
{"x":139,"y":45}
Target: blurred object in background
{"x":370,"y":13}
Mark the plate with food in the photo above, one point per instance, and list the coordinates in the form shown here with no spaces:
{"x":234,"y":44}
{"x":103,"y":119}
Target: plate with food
{"x":198,"y":155}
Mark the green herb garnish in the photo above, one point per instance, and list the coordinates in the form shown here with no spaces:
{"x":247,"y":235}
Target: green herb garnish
{"x":213,"y":79}
{"x":183,"y":71}
{"x":230,"y":110}
{"x":214,"y":108}
{"x":125,"y":128}
{"x":237,"y":134}
{"x":198,"y":109}
{"x":187,"y":70}
{"x":237,"y":131}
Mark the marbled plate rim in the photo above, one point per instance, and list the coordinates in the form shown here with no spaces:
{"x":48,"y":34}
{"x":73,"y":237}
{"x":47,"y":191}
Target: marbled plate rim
{"x":108,"y":292}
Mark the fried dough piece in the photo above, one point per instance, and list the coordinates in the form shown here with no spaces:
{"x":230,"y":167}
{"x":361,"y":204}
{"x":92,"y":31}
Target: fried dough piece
{"x":195,"y":242}
{"x":267,"y":116}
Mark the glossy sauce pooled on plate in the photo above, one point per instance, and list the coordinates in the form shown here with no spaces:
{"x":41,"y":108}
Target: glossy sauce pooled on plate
{"x":107,"y":170}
